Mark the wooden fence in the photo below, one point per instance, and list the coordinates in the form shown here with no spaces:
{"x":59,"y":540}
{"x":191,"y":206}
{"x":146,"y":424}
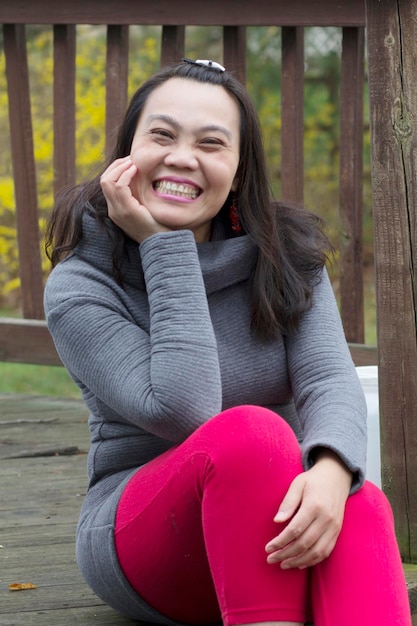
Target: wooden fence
{"x":391,"y":55}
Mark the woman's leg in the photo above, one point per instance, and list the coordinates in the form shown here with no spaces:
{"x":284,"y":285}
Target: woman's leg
{"x":362,"y":581}
{"x":192,"y":525}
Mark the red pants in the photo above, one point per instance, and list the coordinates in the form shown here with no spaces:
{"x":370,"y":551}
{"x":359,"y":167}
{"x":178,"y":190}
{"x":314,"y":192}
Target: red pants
{"x":192,"y":526}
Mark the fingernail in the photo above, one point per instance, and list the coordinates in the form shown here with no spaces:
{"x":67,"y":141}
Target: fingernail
{"x":280,"y":516}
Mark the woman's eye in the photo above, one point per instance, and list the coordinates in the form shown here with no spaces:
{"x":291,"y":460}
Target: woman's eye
{"x":212,"y":142}
{"x":161,"y":132}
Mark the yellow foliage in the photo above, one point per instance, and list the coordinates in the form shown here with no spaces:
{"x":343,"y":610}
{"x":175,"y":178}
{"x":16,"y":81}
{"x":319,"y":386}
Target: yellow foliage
{"x":90,"y":126}
{"x":11,"y":285}
{"x":6,"y":196}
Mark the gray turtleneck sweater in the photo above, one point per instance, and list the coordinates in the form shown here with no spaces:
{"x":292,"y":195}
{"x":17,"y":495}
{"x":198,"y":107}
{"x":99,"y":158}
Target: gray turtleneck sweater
{"x":172,"y":347}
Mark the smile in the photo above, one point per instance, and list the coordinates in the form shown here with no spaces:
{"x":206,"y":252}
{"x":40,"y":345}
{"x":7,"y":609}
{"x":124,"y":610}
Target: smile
{"x":180,"y":190}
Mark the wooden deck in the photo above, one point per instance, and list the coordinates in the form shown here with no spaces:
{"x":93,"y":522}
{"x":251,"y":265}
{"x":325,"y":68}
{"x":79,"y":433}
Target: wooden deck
{"x":43,"y":446}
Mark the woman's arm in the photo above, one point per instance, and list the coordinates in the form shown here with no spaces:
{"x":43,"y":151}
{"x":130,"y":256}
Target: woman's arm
{"x":165,"y":379}
{"x":332,"y":411}
{"x":327,"y":392}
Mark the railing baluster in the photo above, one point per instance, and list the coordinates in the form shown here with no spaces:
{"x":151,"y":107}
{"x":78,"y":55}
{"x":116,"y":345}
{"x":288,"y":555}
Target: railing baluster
{"x":24,"y":170}
{"x":116,"y":80}
{"x":351,"y":186}
{"x":64,"y":106}
{"x":292,"y":114}
{"x":234,"y":50}
{"x":173,"y":44}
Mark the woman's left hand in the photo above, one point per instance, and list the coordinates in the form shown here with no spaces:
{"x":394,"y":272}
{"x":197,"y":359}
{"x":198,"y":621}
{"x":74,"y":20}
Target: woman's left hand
{"x":314,"y":504}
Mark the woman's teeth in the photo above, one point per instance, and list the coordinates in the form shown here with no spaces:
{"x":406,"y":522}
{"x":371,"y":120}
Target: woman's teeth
{"x":176,"y":189}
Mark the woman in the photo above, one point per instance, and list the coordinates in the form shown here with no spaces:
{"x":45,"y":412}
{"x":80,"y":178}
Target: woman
{"x":228,"y":426}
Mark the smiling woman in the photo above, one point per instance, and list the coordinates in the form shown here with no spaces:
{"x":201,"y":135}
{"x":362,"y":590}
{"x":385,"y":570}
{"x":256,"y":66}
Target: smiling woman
{"x":183,"y":162}
{"x":228,"y":424}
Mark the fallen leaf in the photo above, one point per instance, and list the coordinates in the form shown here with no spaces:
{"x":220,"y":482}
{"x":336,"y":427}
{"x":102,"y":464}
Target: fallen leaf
{"x":21,"y":586}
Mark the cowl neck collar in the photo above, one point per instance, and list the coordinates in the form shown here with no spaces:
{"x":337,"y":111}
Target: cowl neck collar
{"x":224,"y":261}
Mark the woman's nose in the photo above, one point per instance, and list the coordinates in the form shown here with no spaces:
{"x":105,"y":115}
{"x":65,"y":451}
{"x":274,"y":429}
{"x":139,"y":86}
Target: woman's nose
{"x":182,"y":155}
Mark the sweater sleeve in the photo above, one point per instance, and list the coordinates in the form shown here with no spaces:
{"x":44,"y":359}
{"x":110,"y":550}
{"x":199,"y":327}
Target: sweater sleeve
{"x":327,"y":392}
{"x":167,"y":380}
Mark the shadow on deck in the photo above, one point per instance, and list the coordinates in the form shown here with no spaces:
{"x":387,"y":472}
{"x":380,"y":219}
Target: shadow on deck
{"x":43,"y":446}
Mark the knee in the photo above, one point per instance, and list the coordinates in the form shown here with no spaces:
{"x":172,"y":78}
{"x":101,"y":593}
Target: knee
{"x":248,"y":433}
{"x":250,"y":423}
{"x":372,"y":505}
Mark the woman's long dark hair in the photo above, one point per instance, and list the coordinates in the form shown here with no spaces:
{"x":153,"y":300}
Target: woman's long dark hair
{"x":292,"y":245}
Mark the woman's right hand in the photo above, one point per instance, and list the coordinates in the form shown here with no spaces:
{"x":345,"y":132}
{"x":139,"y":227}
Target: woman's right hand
{"x":124,"y":209}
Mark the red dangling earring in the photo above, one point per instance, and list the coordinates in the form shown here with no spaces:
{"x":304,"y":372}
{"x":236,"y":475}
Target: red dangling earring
{"x":234,"y":218}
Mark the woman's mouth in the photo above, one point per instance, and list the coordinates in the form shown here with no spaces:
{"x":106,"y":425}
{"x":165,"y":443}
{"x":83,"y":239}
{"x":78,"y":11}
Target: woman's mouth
{"x":179,"y":190}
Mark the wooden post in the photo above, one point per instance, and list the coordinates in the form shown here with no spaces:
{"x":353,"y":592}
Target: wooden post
{"x":351,"y":186}
{"x":392,"y":36}
{"x":292,"y":114}
{"x":234,"y":51}
{"x":172,"y":45}
{"x":117,"y":63}
{"x":64,"y":106}
{"x":24,"y":170}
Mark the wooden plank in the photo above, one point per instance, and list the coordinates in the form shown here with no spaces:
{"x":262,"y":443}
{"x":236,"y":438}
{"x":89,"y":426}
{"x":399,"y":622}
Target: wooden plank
{"x":215,"y":12}
{"x":40,"y":501}
{"x":172,"y":44}
{"x":64,"y":107}
{"x":24,"y":170}
{"x":351,"y":185}
{"x":56,"y":590}
{"x":16,"y":538}
{"x":43,"y":553}
{"x":98,"y":614}
{"x":234,"y":51}
{"x":35,"y":424}
{"x":46,"y":504}
{"x":117,"y":63}
{"x":292,"y":115}
{"x":364,"y":355}
{"x":392,"y":33}
{"x":26,"y":341}
{"x":20,"y":406}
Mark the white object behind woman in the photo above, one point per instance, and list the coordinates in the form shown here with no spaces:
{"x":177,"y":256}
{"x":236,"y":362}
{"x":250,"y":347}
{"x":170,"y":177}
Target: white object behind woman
{"x":368,"y":375}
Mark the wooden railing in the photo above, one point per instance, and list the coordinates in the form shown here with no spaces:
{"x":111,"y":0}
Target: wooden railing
{"x":351,"y":18}
{"x":27,"y":340}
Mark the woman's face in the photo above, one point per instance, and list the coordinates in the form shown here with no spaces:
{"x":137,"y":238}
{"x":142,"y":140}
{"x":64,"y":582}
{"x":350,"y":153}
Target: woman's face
{"x":186,"y":149}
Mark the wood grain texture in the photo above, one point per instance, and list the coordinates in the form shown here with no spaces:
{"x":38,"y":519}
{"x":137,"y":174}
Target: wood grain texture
{"x":64,"y":106}
{"x":292,"y":114}
{"x":24,"y":171}
{"x":117,"y":64}
{"x":40,"y":501}
{"x":351,"y":184}
{"x":392,"y":32}
{"x":27,"y":341}
{"x":215,"y":12}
